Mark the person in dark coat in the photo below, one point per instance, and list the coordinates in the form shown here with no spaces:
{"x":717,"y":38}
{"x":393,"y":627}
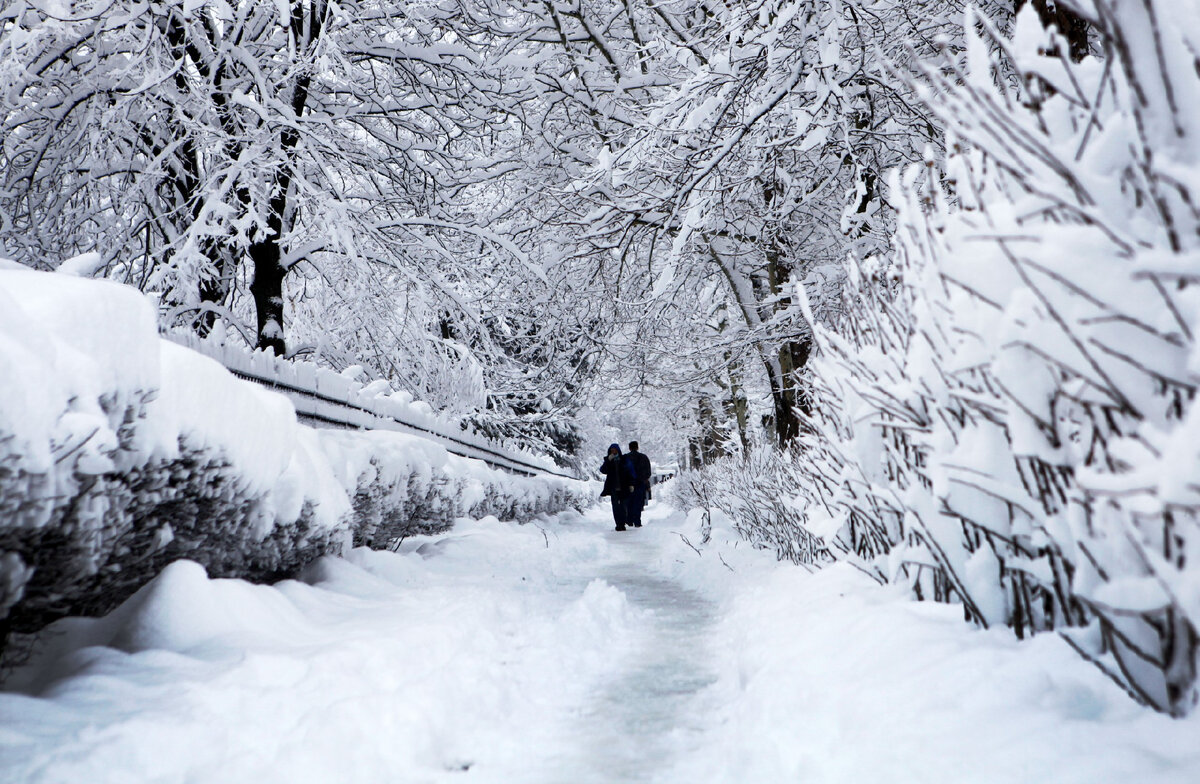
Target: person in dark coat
{"x":618,"y":483}
{"x":641,"y":472}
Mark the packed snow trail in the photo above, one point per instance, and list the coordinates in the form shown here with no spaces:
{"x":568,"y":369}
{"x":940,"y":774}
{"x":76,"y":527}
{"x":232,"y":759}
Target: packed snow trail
{"x":562,"y":652}
{"x":636,"y":721}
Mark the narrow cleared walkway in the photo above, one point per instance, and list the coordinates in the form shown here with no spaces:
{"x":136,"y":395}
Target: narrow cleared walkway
{"x":639,"y":723}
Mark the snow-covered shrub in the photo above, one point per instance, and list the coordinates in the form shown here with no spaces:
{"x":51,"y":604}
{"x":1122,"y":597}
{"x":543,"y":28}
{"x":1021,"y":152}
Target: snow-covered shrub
{"x":1005,"y":419}
{"x":757,"y":493}
{"x":403,"y":485}
{"x":121,"y":452}
{"x":116,"y":531}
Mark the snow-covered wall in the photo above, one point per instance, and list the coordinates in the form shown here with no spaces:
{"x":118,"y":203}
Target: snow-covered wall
{"x":120,"y":452}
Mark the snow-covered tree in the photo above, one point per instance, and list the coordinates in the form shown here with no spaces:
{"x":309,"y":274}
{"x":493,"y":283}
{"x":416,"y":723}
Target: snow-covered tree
{"x":207,"y":148}
{"x":356,"y":163}
{"x":1006,"y":415}
{"x":735,"y":150}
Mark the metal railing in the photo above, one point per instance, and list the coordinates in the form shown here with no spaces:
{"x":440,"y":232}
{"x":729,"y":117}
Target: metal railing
{"x":345,"y":404}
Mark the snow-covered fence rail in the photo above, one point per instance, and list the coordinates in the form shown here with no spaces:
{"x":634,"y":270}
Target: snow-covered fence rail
{"x":324,"y":398}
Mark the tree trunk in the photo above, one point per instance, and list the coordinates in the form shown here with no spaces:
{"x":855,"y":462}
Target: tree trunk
{"x":708,"y":444}
{"x":786,"y":392}
{"x":267,"y":289}
{"x":792,"y":401}
{"x":267,"y":256}
{"x":307,"y":23}
{"x":214,"y":289}
{"x":738,"y":405}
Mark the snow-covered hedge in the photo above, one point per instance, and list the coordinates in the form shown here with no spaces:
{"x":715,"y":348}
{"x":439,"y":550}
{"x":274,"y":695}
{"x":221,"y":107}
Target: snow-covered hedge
{"x":120,"y":452}
{"x":1006,"y":417}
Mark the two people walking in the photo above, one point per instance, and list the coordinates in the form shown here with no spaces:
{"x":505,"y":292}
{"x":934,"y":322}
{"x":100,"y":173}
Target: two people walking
{"x":626,"y":483}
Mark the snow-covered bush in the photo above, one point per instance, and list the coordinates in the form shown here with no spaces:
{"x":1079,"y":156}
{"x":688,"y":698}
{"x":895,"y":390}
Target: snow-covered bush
{"x":757,"y":494}
{"x":403,"y":485}
{"x":1005,"y":418}
{"x":121,"y":452}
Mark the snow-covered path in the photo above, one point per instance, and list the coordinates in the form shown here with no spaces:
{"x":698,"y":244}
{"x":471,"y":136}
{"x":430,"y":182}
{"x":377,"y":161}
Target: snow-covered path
{"x":565,"y":653}
{"x":640,"y":719}
{"x":495,"y":653}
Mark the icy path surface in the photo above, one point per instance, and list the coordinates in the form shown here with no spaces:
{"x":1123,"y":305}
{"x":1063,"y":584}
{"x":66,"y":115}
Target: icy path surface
{"x":565,"y":653}
{"x":640,"y":719}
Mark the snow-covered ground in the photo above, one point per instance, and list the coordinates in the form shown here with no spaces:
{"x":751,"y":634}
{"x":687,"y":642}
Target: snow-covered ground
{"x":565,"y":652}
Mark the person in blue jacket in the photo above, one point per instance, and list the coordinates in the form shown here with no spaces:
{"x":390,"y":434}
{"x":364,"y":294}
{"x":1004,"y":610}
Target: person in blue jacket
{"x":618,"y":483}
{"x":639,"y":468}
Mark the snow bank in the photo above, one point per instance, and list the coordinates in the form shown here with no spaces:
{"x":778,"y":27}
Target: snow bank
{"x":74,"y":355}
{"x":460,"y":653}
{"x":825,"y":677}
{"x":121,"y":452}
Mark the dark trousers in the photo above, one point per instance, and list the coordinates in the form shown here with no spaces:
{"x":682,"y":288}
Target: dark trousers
{"x":635,"y":503}
{"x":620,"y":509}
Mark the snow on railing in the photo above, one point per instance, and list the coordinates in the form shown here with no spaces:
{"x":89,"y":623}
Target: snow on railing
{"x":324,"y":398}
